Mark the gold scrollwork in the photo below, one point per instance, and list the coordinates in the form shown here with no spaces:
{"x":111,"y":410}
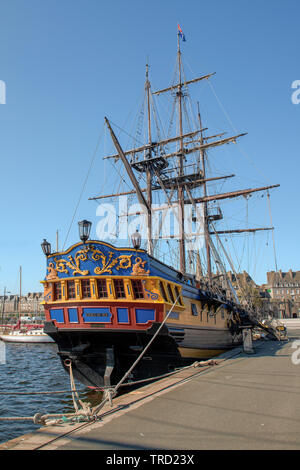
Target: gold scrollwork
{"x":124,"y":262}
{"x":52,"y":272}
{"x":138,"y":267}
{"x":108,"y":262}
{"x":73,"y":264}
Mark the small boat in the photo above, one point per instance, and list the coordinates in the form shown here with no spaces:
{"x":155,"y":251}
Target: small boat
{"x":26,"y":333}
{"x":34,"y":335}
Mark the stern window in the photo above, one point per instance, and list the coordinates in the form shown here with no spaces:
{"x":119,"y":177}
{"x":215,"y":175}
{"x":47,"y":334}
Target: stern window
{"x":171,"y":293}
{"x":71,"y":289}
{"x":102,"y":288}
{"x":163,"y":291}
{"x":119,"y":288}
{"x":177,"y":295}
{"x":57,"y":291}
{"x":137,"y":288}
{"x":86,"y":289}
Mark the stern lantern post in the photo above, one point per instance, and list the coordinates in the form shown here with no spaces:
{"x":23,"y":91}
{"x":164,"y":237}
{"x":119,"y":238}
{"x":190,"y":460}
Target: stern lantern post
{"x":84,"y":230}
{"x":136,"y":239}
{"x":46,"y":247}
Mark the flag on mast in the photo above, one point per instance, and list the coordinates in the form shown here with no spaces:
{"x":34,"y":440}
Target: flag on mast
{"x":181,"y":33}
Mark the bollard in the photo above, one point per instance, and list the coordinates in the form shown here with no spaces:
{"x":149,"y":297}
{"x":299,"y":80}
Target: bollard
{"x":247,"y":341}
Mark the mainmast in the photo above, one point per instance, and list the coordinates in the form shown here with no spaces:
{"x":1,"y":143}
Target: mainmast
{"x":205,"y":211}
{"x":148,"y":168}
{"x":177,"y":183}
{"x":180,"y":191}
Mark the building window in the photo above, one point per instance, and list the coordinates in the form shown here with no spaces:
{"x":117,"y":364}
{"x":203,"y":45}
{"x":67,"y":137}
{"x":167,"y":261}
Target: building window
{"x":137,"y":287}
{"x":102,"y":288}
{"x":57,"y":291}
{"x":194,"y":310}
{"x":119,"y":288}
{"x":163,"y":291}
{"x":86,"y":288}
{"x":171,"y":295}
{"x":71,"y":289}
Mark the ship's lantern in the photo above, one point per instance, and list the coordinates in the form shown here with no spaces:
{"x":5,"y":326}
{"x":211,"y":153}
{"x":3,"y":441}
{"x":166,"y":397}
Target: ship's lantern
{"x":46,"y":247}
{"x":84,"y":230}
{"x":136,"y":240}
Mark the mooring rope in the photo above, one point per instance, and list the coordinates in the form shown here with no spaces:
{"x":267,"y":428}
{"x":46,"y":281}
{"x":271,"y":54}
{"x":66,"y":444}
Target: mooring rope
{"x":85,"y":412}
{"x":110,"y":393}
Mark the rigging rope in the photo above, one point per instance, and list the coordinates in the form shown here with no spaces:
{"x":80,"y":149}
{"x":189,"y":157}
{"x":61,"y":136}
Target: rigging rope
{"x":84,"y":185}
{"x":112,"y":392}
{"x":234,"y":129}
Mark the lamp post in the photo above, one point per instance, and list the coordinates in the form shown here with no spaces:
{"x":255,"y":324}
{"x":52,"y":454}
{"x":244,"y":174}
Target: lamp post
{"x":136,"y":239}
{"x":46,"y":247}
{"x":84,"y":230}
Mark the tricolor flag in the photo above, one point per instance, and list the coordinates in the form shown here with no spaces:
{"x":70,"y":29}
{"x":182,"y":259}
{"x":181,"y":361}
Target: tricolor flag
{"x":181,"y":33}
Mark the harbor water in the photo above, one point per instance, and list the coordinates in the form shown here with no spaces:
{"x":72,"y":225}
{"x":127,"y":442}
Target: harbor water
{"x":34,"y":368}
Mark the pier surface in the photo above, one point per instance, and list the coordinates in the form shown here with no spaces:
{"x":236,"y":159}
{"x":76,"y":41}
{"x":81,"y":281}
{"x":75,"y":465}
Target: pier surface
{"x":244,"y":402}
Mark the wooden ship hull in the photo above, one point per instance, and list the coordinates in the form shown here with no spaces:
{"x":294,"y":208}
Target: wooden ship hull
{"x":101,"y":323}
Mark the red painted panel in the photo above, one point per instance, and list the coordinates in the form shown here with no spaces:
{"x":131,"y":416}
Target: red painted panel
{"x":114,"y":320}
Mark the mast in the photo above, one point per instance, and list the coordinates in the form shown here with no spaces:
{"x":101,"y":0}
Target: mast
{"x":20,"y":295}
{"x":148,"y":169}
{"x":205,"y":211}
{"x":152,"y":159}
{"x":130,"y":173}
{"x":180,"y":191}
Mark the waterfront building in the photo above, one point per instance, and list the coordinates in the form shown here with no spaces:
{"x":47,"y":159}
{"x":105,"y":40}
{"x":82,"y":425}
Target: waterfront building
{"x":284,"y":291}
{"x":249,"y":292}
{"x":30,"y":303}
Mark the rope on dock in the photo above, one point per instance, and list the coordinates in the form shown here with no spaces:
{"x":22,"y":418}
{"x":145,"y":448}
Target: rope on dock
{"x":86,"y":414}
{"x":83,"y":411}
{"x":50,"y":392}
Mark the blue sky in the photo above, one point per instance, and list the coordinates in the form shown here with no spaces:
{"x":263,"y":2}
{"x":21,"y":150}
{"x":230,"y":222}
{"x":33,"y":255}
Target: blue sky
{"x":67,"y":64}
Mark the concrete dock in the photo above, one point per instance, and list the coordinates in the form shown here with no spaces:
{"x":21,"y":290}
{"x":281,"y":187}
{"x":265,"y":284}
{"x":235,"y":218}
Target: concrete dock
{"x":243,"y":402}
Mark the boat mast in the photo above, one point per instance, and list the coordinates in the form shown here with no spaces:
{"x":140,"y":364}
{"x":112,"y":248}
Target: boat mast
{"x":148,"y":169}
{"x":205,"y":211}
{"x":180,"y":190}
{"x":20,"y":293}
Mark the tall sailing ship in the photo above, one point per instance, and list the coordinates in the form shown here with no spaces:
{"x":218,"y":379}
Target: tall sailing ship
{"x":104,"y":303}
